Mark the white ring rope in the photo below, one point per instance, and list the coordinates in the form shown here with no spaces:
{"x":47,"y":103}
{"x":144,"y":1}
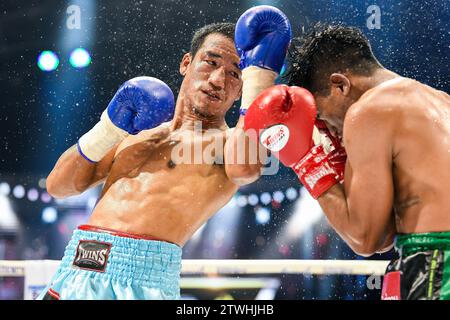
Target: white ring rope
{"x":16,"y":268}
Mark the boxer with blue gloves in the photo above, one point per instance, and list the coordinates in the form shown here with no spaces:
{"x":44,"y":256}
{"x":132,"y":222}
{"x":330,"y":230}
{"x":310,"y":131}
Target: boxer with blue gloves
{"x":158,"y":188}
{"x":100,"y":263}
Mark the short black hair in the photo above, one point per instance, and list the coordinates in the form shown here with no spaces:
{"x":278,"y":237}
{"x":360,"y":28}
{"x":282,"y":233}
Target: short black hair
{"x":327,"y":49}
{"x":224,"y":28}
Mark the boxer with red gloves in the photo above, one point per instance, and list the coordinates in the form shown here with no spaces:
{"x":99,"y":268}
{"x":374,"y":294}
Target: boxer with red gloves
{"x":396,"y":135}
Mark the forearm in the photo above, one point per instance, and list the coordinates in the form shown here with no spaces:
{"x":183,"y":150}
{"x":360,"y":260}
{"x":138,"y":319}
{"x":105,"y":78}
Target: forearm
{"x":72,"y":174}
{"x":353,"y":228}
{"x":244,"y":159}
{"x":334,"y":205}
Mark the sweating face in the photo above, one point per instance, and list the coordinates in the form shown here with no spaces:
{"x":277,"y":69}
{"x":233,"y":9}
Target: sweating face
{"x":333,"y":106}
{"x":212,"y":78}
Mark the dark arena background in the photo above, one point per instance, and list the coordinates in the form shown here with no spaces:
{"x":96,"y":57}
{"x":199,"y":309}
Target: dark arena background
{"x":61,"y":63}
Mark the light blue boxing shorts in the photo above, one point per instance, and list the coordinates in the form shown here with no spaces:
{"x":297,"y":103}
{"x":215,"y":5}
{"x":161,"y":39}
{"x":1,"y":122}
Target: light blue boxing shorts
{"x":103,"y":264}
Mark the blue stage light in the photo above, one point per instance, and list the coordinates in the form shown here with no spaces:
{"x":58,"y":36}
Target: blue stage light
{"x":262,"y":215}
{"x":49,"y":215}
{"x":48,"y":61}
{"x":80,"y":58}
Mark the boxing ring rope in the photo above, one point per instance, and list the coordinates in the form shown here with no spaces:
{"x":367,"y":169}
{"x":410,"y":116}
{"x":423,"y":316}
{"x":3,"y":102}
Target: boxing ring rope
{"x":15,"y":268}
{"x":211,"y":274}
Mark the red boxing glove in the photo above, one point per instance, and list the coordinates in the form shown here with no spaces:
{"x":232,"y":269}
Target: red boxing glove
{"x":337,"y":159}
{"x":284,"y":119}
{"x":337,"y":156}
{"x":315,"y":172}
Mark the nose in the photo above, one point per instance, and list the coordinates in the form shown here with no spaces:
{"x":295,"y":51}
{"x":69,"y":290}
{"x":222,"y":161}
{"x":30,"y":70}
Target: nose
{"x":217,"y":78}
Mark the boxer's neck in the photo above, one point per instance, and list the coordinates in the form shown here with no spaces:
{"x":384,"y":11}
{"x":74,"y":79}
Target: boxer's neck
{"x":189,"y":118}
{"x":364,"y":83}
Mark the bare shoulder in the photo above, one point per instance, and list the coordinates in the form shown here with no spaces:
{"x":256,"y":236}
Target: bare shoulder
{"x":158,"y":133}
{"x":163,"y":130}
{"x":378,"y":110}
{"x":397,"y":92}
{"x":385,"y":99}
{"x":370,"y":112}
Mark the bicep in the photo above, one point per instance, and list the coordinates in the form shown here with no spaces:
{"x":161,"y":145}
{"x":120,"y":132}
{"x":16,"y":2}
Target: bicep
{"x":368,"y":177}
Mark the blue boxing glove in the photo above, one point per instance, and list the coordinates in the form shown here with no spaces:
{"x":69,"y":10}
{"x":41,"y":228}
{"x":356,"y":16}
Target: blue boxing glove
{"x":140,"y":103}
{"x":262,"y":38}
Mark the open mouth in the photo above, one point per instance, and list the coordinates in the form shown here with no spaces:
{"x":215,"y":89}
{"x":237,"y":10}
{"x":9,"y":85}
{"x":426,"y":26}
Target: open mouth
{"x":211,"y":95}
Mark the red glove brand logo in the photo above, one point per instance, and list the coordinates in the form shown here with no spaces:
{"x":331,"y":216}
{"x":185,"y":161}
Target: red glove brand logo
{"x":92,"y":255}
{"x":275,"y":138}
{"x":318,"y":173}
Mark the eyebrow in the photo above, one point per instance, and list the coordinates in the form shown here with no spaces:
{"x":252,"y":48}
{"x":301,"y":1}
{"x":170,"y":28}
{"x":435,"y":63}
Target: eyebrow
{"x":216,"y":55}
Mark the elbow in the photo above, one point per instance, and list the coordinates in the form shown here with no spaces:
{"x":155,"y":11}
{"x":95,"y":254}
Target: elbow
{"x":242,"y":175}
{"x":58,"y":191}
{"x":364,"y":251}
{"x":365,"y":248}
{"x":52,"y":187}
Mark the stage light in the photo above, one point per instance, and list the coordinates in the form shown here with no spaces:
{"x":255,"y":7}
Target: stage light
{"x":48,"y":61}
{"x":33,"y":194}
{"x":278,"y":196}
{"x":19,"y":191}
{"x":307,"y":212}
{"x":253,"y":199}
{"x":49,"y":215}
{"x":42,"y":183}
{"x":5,"y":189}
{"x":266,"y":198}
{"x":241,"y":201}
{"x":45,"y":197}
{"x":80,"y":58}
{"x":291,"y":194}
{"x":262,"y":215}
{"x":8,"y":218}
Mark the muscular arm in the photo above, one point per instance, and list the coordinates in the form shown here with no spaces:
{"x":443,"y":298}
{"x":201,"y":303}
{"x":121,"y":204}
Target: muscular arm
{"x":243,"y":161}
{"x":361,"y":210}
{"x":73,"y":174}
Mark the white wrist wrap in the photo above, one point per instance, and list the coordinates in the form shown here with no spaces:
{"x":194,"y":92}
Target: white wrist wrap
{"x":322,"y":139}
{"x":96,"y":143}
{"x":255,"y":80}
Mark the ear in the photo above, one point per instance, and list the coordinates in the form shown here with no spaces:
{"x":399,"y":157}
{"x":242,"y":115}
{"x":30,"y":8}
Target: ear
{"x":340,"y":83}
{"x":185,"y":62}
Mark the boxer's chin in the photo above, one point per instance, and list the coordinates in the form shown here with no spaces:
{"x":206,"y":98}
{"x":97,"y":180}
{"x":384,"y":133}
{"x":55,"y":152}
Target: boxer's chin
{"x":202,"y":111}
{"x":207,"y":109}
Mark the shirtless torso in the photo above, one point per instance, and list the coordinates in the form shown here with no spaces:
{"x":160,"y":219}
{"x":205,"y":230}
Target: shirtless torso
{"x":420,"y":153}
{"x":149,"y":193}
{"x":397,"y":177}
{"x":167,"y":181}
